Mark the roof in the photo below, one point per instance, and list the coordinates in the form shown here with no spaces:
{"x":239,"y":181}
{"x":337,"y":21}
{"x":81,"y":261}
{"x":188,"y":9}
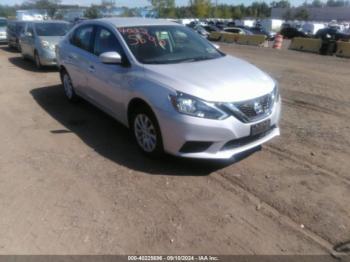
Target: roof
{"x":121,"y":22}
{"x":47,"y":21}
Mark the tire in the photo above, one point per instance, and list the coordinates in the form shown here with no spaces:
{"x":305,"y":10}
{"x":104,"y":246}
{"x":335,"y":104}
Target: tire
{"x":37,"y":61}
{"x":146,"y":132}
{"x":68,"y":87}
{"x":24,"y":57}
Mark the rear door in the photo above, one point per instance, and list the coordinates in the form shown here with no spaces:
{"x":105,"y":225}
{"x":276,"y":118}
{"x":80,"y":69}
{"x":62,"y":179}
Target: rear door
{"x":78,"y":57}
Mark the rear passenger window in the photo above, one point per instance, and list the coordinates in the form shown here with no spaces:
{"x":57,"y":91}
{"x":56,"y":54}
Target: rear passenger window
{"x":82,"y":37}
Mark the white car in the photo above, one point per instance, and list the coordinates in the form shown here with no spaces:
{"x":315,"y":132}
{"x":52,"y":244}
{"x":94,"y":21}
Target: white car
{"x":175,"y":90}
{"x":3,"y":28}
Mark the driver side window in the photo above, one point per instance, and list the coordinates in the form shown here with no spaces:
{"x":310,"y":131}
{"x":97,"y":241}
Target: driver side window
{"x":105,"y":41}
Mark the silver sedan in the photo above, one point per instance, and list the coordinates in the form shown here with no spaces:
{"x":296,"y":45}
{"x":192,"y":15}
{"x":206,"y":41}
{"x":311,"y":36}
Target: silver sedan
{"x":176,"y":91}
{"x":39,"y":40}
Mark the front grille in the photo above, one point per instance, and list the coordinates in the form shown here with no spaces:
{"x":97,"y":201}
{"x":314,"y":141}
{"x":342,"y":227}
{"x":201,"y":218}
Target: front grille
{"x":251,"y":110}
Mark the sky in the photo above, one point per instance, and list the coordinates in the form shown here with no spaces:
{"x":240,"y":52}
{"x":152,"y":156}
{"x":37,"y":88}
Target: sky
{"x":134,"y":3}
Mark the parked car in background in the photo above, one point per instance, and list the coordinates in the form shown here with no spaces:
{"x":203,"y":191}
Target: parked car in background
{"x":291,"y":32}
{"x":220,"y":25}
{"x":201,"y":30}
{"x":39,"y":40}
{"x":211,"y":28}
{"x":312,"y":28}
{"x":332,"y":33}
{"x":14,"y":30}
{"x":174,"y":89}
{"x":237,"y":30}
{"x":3,"y":29}
{"x":261,"y":31}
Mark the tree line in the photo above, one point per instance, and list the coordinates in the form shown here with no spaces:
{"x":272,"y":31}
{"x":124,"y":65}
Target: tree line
{"x":195,"y":8}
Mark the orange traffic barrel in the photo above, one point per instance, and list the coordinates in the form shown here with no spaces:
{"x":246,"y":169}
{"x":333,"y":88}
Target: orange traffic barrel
{"x":278,"y":41}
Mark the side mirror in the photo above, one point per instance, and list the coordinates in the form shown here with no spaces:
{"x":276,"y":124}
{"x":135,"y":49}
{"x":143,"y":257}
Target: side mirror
{"x":216,"y":46}
{"x":111,"y":58}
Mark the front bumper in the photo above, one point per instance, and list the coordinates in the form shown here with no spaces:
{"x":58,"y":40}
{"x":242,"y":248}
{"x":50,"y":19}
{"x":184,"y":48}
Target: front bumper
{"x":48,"y":58}
{"x":3,"y":39}
{"x":177,"y":129}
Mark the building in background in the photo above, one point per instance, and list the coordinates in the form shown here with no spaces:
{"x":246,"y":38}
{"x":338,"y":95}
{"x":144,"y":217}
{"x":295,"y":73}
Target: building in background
{"x":325,"y":14}
{"x":70,"y":14}
{"x":31,"y":15}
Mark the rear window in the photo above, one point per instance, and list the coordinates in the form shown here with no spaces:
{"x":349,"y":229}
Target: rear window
{"x":235,"y":31}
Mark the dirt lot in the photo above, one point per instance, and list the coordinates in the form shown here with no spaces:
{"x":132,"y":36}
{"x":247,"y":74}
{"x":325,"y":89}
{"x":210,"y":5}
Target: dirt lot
{"x":73,"y":182}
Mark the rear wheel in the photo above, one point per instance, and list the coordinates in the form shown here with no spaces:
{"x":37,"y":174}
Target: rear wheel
{"x":147,"y":132}
{"x":68,"y":87}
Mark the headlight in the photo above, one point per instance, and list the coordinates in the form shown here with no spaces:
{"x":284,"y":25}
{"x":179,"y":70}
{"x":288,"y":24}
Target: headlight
{"x":46,"y":44}
{"x":189,"y":105}
{"x":275,"y":94}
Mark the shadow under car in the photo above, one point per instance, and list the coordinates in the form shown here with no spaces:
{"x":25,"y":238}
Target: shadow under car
{"x":113,"y":140}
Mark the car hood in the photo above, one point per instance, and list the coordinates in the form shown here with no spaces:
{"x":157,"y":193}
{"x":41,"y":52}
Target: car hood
{"x":225,"y":79}
{"x":53,"y":40}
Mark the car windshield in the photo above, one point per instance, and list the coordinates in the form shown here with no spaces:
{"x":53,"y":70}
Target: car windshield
{"x":167,"y":44}
{"x":52,"y":29}
{"x":3,"y":22}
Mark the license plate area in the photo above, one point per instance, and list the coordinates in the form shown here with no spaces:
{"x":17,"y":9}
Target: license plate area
{"x":261,"y":127}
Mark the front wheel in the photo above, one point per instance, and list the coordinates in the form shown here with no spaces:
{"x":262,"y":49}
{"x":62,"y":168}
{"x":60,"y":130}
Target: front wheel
{"x":68,"y":87}
{"x":147,"y":132}
{"x":37,"y":61}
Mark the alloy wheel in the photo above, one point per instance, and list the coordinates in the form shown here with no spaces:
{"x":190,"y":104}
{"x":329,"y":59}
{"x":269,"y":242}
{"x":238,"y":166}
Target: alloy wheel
{"x":145,"y":133}
{"x":68,"y":87}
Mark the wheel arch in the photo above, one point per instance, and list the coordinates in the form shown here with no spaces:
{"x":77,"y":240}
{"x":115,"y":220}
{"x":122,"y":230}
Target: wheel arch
{"x":134,"y":104}
{"x":61,"y":70}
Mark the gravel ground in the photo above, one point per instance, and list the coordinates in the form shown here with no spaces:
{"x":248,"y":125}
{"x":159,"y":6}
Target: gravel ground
{"x":73,"y":182}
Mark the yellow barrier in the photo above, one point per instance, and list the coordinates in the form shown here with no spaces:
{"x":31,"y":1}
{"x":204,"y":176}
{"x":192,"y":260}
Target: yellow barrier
{"x":306,"y":44}
{"x":230,"y":37}
{"x":343,"y":49}
{"x":256,"y":40}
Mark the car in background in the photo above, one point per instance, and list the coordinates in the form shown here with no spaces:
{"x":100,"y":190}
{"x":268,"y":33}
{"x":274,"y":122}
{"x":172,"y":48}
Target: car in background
{"x":332,"y":33}
{"x":3,"y":29}
{"x":237,"y":30}
{"x":201,"y":30}
{"x":220,"y":25}
{"x":262,"y":31}
{"x":291,"y":32}
{"x":39,"y":40}
{"x":174,"y":89}
{"x":14,"y":30}
{"x":211,"y":28}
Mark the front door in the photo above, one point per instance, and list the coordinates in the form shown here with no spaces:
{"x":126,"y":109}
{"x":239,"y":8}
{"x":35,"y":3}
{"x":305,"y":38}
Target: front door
{"x":108,"y":82}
